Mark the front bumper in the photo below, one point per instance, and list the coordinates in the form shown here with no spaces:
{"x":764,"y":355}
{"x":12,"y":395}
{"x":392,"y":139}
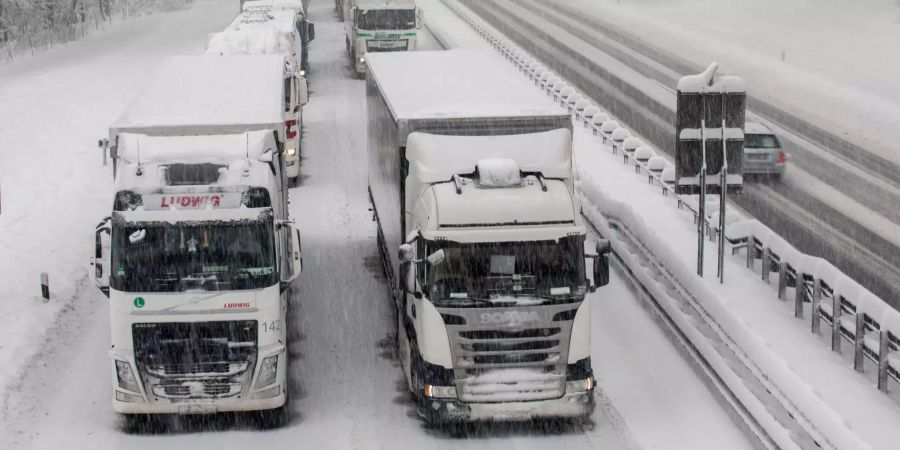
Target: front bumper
{"x":571,"y":405}
{"x":199,"y":407}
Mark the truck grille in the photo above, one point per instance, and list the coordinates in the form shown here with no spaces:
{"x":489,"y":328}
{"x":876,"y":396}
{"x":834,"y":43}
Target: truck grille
{"x":513,"y":361}
{"x":185,"y":361}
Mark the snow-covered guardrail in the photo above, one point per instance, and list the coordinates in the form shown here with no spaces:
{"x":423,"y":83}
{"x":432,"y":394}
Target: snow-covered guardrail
{"x":851,"y":312}
{"x":863,"y":319}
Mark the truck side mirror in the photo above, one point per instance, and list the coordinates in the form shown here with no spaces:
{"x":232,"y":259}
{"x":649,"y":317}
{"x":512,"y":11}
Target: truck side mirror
{"x":302,"y":91}
{"x":407,"y":269}
{"x":406,"y":253}
{"x":436,"y":258}
{"x":418,"y":18}
{"x":310,"y":31}
{"x":600,"y":265}
{"x":353,"y":17}
{"x":100,"y":261}
{"x":296,"y":260}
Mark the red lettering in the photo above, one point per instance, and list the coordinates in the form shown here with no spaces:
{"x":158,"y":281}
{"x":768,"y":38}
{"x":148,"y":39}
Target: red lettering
{"x":237,"y":305}
{"x":216,"y":200}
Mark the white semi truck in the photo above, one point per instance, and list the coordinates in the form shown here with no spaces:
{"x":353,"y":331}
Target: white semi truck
{"x":481,"y":237}
{"x":379,"y":26}
{"x":289,"y":17}
{"x":198,"y":255}
{"x":260,"y":30}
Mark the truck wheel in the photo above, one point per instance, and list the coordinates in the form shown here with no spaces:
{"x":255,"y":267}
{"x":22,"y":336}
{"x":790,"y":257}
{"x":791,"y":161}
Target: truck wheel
{"x":415,"y":369}
{"x":271,"y":419}
{"x":143,"y":423}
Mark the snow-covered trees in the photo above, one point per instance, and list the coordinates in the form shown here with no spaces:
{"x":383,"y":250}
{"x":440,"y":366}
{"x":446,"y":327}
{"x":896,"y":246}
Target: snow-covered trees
{"x":28,"y":25}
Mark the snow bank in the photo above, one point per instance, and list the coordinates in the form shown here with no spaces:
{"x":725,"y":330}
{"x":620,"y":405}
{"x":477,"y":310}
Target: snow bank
{"x":600,"y":209}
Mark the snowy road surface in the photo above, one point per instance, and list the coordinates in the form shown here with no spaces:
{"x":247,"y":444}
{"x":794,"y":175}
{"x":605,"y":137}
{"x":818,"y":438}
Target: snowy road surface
{"x":347,"y":387}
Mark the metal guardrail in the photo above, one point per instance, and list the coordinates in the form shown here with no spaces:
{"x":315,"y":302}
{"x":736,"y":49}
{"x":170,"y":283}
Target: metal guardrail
{"x":850,"y":312}
{"x":861,"y":318}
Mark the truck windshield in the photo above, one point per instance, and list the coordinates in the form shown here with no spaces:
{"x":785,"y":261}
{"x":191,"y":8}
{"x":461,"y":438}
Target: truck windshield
{"x":507,"y":272}
{"x":386,"y":19}
{"x":155,"y":257}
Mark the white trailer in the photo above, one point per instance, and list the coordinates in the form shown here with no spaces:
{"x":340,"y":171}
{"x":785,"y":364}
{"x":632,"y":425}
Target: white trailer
{"x":198,"y":254}
{"x":219,"y":95}
{"x":480,"y":232}
{"x":271,"y":32}
{"x":379,"y":26}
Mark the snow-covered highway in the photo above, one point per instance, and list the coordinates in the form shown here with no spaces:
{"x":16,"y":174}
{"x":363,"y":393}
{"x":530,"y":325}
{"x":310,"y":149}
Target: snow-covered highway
{"x":835,"y":205}
{"x":347,"y":387}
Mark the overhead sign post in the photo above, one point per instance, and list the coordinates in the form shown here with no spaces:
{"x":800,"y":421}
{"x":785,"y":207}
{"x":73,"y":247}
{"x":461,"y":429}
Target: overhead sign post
{"x":709,"y":131}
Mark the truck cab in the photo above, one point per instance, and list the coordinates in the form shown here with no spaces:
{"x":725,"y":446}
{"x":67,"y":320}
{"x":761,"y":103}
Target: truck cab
{"x":494,"y":317}
{"x":380,"y":26}
{"x":198,"y":259}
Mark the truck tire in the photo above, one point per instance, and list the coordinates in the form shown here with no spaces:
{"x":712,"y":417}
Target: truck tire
{"x":144,"y":423}
{"x":415,"y":369}
{"x":271,"y":419}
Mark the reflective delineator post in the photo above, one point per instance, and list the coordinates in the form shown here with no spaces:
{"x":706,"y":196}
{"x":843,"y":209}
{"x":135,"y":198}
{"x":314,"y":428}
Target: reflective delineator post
{"x":45,"y":287}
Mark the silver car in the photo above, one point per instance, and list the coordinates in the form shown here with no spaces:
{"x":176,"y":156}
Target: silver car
{"x":762,"y":152}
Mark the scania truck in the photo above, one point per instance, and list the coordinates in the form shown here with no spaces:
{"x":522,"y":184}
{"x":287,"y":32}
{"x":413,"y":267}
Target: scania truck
{"x":481,"y":237}
{"x":198,"y":255}
{"x":379,"y":26}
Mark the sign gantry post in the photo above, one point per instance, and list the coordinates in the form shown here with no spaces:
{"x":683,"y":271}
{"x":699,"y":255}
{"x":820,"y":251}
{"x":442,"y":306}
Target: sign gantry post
{"x":719,"y":101}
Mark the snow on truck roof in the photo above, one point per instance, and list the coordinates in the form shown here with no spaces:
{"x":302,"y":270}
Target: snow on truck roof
{"x":239,"y":153}
{"x":141,"y":148}
{"x":455,"y":83}
{"x":436,"y":158}
{"x":294,"y":5}
{"x":257,"y":40}
{"x":212,"y":91}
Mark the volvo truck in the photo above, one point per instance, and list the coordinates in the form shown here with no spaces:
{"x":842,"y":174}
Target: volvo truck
{"x":481,"y":238}
{"x":379,"y":26}
{"x":198,"y":255}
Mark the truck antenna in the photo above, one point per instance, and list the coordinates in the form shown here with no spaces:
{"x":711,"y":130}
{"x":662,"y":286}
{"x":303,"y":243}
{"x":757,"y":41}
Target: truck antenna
{"x":540,"y":178}
{"x":457,"y":183}
{"x":139,"y":171}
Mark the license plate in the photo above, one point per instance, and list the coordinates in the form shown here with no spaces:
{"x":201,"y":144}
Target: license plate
{"x":757,"y":156}
{"x":386,"y":44}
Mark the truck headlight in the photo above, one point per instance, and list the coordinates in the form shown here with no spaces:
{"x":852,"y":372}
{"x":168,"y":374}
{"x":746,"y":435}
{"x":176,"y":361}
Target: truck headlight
{"x":362,"y":60}
{"x":584,"y":385}
{"x":439,"y":391}
{"x":290,"y":151}
{"x":268,"y":371}
{"x":126,"y":376}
